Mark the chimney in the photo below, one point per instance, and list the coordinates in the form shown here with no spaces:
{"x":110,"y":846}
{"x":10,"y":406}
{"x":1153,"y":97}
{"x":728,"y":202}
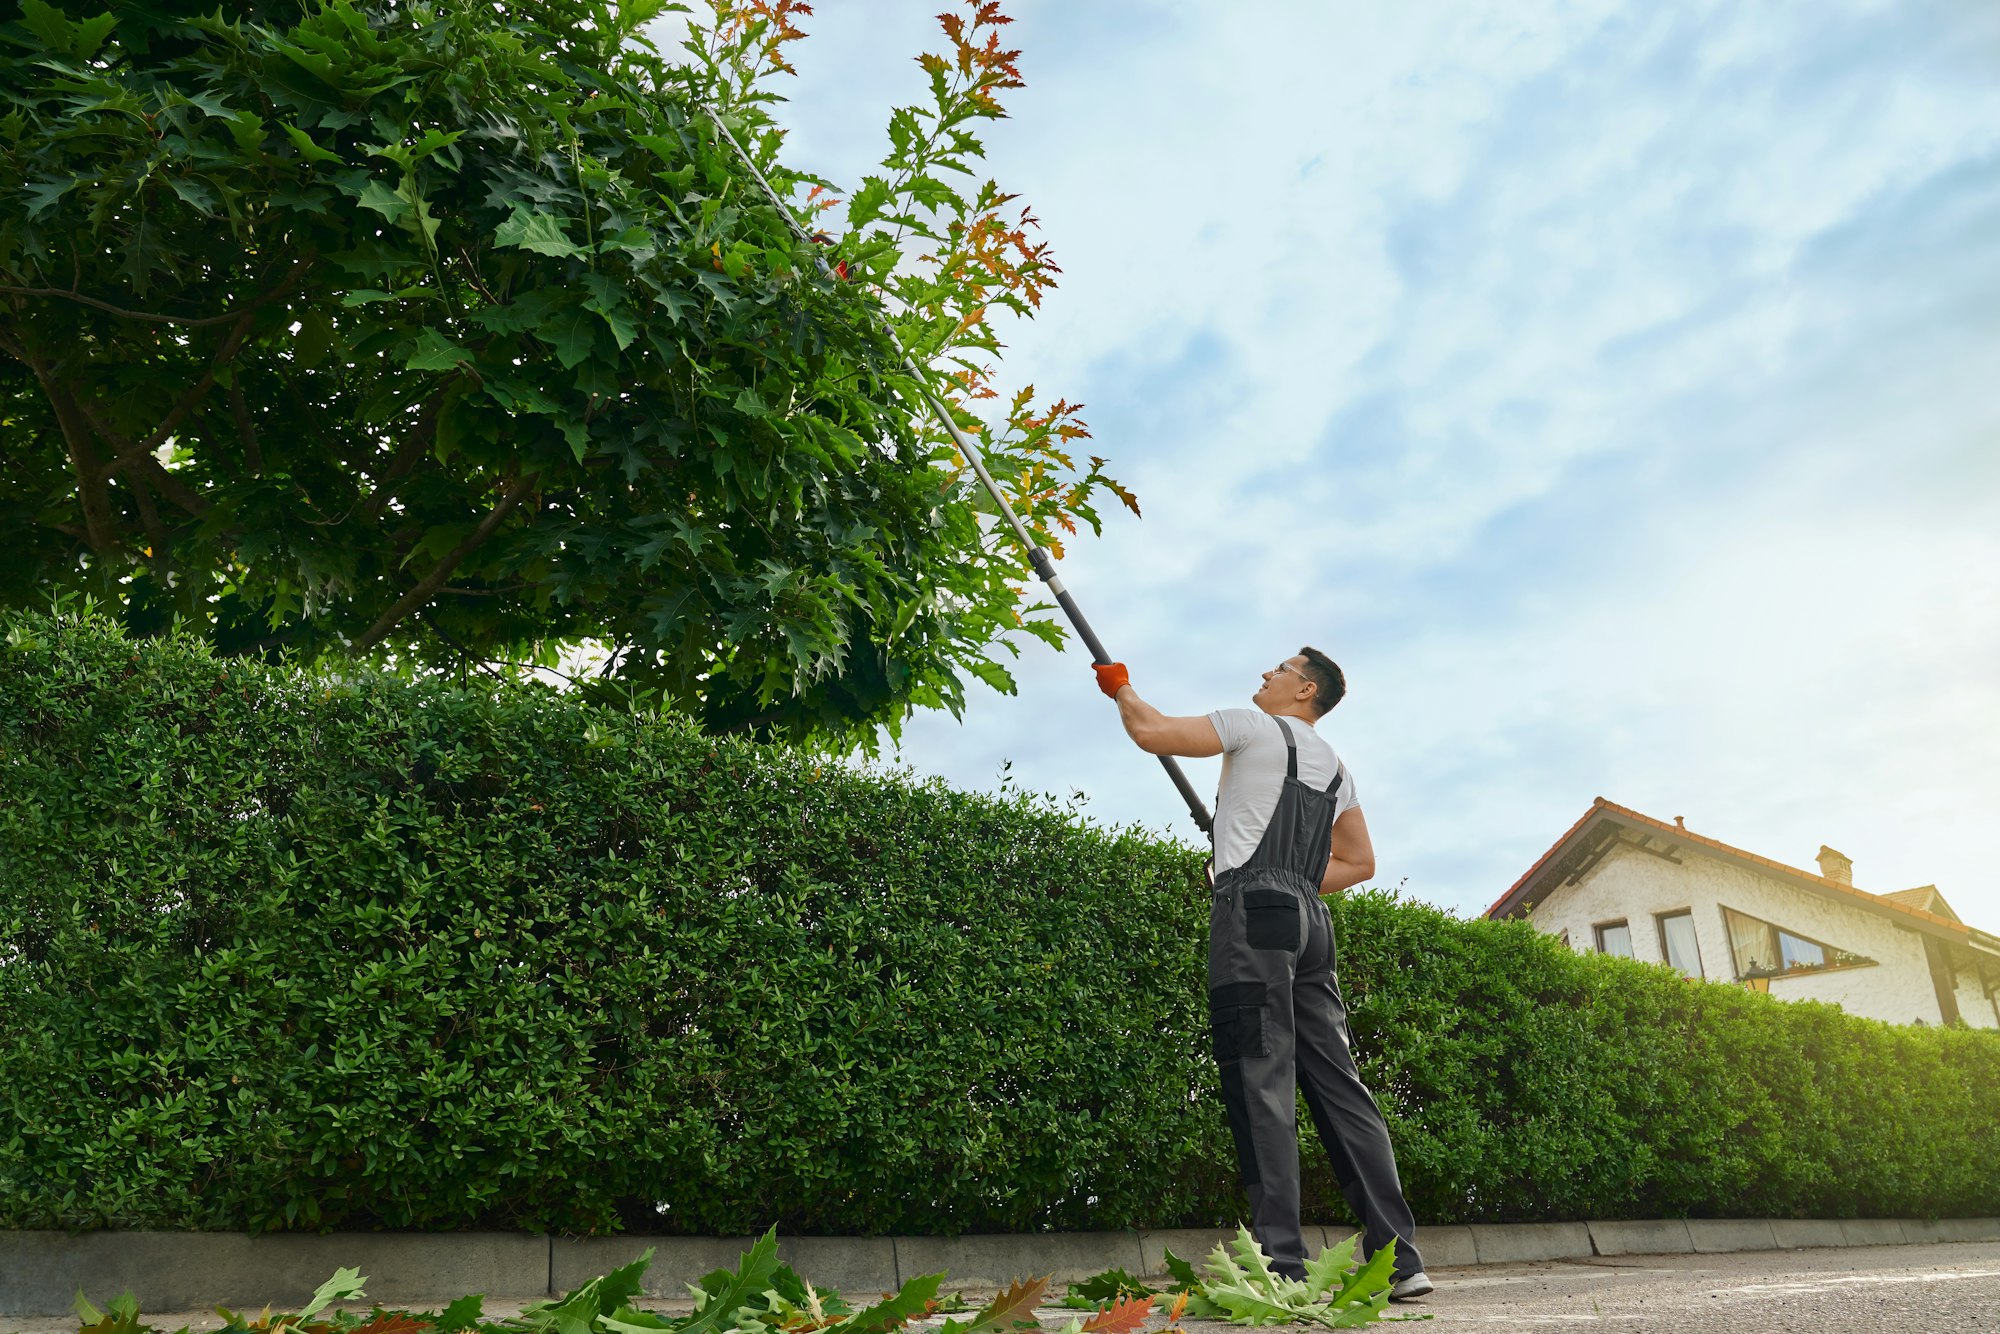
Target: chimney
{"x":1836,"y":866}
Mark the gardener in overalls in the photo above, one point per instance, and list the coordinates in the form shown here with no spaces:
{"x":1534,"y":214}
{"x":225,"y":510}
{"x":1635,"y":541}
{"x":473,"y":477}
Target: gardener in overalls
{"x":1287,"y":830}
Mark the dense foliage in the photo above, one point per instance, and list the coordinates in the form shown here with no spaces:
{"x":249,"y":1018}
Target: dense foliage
{"x":290,"y":949}
{"x":457,"y":334}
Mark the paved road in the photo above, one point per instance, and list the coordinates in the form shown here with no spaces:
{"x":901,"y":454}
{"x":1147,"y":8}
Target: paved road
{"x":1939,"y":1289}
{"x":1922,"y":1289}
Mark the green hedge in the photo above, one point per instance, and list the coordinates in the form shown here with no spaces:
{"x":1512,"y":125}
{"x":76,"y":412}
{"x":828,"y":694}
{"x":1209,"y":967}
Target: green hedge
{"x":293,"y":950}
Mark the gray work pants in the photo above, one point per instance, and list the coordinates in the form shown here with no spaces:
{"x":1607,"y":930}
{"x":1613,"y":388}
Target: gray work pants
{"x":1279,"y":1024}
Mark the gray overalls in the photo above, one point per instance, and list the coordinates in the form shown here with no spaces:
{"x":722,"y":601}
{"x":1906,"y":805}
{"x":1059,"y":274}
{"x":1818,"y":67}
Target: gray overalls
{"x":1278,"y":1022}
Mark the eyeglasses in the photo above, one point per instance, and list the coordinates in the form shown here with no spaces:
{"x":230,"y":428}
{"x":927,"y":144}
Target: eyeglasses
{"x":1287,"y":667}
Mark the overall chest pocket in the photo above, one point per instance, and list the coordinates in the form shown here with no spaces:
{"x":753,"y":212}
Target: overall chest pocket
{"x":1271,"y":920}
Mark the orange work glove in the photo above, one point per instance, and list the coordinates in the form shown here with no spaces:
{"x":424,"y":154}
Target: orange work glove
{"x":1111,"y":677}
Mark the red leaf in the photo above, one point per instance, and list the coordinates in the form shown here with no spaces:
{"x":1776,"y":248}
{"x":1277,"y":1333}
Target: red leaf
{"x":1121,"y":1317}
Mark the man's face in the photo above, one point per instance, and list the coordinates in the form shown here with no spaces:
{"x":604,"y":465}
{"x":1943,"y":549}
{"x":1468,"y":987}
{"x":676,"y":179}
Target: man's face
{"x":1284,"y":686}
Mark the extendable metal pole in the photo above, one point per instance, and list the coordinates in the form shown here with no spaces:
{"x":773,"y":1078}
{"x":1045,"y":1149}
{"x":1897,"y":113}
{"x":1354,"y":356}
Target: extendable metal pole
{"x":1045,"y":567}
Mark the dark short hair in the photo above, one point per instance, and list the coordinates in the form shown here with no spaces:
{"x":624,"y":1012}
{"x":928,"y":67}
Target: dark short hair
{"x":1323,"y":672}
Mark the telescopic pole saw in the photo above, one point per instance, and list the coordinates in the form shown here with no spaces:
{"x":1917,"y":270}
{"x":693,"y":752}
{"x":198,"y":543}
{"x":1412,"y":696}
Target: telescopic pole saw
{"x":1038,"y":557}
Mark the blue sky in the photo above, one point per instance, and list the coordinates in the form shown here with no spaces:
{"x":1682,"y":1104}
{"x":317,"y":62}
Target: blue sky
{"x":1611,"y":388}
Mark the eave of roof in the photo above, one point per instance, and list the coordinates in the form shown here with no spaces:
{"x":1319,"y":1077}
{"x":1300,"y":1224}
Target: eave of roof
{"x":1521,"y":894}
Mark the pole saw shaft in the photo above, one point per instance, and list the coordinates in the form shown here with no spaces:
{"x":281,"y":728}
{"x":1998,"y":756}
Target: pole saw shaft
{"x":1038,"y":556}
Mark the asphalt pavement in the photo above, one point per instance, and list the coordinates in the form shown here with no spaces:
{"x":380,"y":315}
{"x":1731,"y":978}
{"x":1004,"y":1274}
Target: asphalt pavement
{"x":1933,"y":1289}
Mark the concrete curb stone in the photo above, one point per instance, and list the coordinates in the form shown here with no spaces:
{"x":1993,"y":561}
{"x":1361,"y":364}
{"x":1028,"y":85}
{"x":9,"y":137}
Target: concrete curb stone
{"x":857,"y":1267}
{"x":1713,"y":1236}
{"x":996,"y":1261}
{"x":40,"y":1272}
{"x":1802,"y":1233}
{"x":1447,"y":1246}
{"x":1663,"y":1236}
{"x":1952,"y":1229}
{"x":1872,"y":1231}
{"x":1505,"y":1243}
{"x":677,"y":1261}
{"x":1190,"y":1244}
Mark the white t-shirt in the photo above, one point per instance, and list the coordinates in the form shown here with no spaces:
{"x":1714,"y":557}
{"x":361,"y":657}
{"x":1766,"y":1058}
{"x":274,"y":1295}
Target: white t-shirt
{"x":1253,"y":774}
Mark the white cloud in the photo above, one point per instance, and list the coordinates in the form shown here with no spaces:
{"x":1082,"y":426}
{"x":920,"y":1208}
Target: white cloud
{"x":1607,"y":385}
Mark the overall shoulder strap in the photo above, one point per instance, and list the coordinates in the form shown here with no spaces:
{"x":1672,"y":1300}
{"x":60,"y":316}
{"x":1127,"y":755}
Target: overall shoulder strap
{"x":1291,"y":747}
{"x":1339,"y":777}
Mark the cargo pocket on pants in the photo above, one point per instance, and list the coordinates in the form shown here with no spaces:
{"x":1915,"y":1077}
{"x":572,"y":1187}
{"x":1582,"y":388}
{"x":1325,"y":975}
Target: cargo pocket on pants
{"x":1236,"y":1021}
{"x":1270,"y":920}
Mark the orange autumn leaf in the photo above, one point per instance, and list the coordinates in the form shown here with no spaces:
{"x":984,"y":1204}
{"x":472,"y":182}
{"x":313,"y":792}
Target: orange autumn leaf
{"x":1121,"y":1317}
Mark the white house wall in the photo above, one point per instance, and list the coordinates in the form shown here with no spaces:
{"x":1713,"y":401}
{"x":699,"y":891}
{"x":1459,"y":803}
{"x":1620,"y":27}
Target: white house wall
{"x":1974,"y":1005}
{"x":1636,"y":886}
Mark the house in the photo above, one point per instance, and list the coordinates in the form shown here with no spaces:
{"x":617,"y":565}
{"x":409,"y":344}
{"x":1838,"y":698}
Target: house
{"x":1624,"y":883}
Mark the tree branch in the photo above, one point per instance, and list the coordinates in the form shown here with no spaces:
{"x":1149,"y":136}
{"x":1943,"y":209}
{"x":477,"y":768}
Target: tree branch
{"x":428,"y":586}
{"x":189,"y":401}
{"x":98,"y":521}
{"x":149,"y":518}
{"x":137,"y":454}
{"x":246,"y":430}
{"x":415,"y":445}
{"x":120,"y":311}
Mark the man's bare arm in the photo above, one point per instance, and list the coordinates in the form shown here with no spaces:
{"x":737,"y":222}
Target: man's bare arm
{"x":1157,"y":734}
{"x":1352,"y":858}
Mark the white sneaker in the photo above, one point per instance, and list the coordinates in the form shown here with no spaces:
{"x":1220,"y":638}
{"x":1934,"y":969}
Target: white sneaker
{"x":1410,"y":1289}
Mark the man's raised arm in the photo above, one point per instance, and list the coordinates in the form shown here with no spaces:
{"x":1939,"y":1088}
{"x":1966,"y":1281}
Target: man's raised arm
{"x":1152,"y":731}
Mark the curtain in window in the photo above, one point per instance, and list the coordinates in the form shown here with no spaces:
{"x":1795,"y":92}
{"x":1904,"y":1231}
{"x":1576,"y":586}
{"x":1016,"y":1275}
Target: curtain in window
{"x":1753,"y":944}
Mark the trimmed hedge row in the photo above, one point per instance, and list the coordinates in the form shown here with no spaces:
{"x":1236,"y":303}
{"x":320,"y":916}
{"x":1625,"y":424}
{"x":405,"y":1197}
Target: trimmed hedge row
{"x":292,"y":950}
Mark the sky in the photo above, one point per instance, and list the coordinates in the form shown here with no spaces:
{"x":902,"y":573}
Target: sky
{"x":1612,"y":389}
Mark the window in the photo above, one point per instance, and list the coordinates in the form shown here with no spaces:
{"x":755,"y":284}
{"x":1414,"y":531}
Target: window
{"x":1677,"y":943}
{"x":1764,"y":949}
{"x":1615,"y":938}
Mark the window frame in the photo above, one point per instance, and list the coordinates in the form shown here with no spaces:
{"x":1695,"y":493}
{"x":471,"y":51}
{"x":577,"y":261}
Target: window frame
{"x":1597,"y":930}
{"x":1856,"y":960}
{"x":1660,"y":920}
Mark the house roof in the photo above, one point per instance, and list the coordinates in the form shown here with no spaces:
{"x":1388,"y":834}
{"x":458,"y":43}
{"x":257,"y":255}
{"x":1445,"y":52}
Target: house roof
{"x":1923,"y":896}
{"x":1921,"y":909}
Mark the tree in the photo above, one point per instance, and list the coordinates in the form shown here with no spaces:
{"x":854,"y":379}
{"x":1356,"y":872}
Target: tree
{"x":452,"y":333}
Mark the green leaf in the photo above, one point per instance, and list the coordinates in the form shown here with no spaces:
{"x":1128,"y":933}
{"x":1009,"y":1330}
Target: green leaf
{"x":572,"y":332}
{"x":247,"y":129}
{"x":1110,"y":1286}
{"x":867,"y":203}
{"x":908,"y":1303}
{"x":196,"y":193}
{"x":539,"y":232}
{"x":631,"y":1320}
{"x":607,"y":300}
{"x":307,"y":145}
{"x":42,"y":195}
{"x":728,"y":1293}
{"x":993,"y":674}
{"x":576,"y":434}
{"x":433,"y":352}
{"x":1377,"y":1276}
{"x":391,"y":204}
{"x":1327,"y":1270}
{"x":50,"y":24}
{"x":344,"y":1286}
{"x":1182,"y":1273}
{"x":461,"y":1314}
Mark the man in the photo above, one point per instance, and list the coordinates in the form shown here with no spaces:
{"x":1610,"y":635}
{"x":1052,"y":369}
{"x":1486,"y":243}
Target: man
{"x":1287,"y":829}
